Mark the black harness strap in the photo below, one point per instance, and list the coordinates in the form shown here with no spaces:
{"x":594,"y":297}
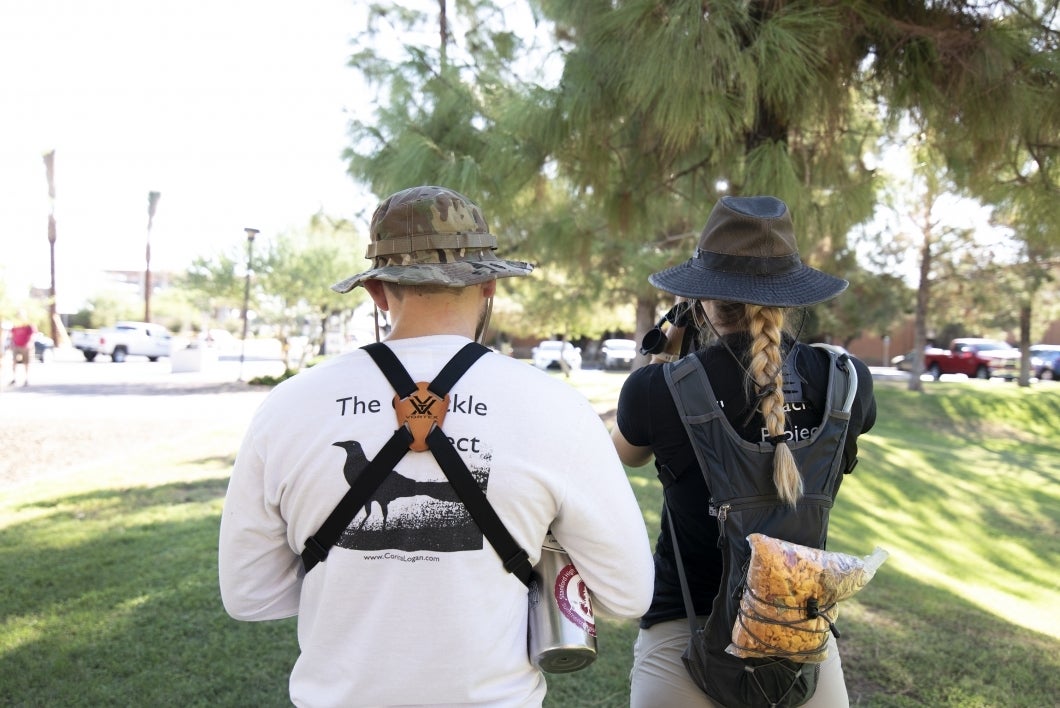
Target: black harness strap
{"x":515,"y":559}
{"x":319,"y":544}
{"x":451,"y":372}
{"x":395,"y":373}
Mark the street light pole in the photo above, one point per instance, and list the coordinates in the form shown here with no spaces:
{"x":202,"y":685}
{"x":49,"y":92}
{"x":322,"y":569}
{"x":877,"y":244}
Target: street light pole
{"x":246,"y":295}
{"x":152,"y":203}
{"x":49,"y":168}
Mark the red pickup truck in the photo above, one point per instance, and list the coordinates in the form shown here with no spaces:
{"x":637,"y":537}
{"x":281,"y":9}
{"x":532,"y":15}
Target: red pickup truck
{"x":974,"y":357}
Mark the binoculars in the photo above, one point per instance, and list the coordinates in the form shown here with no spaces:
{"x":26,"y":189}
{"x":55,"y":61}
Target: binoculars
{"x":680,"y":315}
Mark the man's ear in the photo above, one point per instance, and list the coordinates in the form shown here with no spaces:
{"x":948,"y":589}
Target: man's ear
{"x":375,"y":289}
{"x":489,"y":288}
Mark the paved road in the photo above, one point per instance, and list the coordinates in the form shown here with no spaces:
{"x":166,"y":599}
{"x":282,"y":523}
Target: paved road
{"x":76,"y":413}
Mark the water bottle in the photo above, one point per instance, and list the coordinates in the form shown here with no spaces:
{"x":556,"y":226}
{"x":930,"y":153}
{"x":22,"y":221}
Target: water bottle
{"x":562,"y":629}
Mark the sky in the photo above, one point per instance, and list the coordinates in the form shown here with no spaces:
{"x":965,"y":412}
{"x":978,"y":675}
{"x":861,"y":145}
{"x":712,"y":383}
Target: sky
{"x":235,"y":111}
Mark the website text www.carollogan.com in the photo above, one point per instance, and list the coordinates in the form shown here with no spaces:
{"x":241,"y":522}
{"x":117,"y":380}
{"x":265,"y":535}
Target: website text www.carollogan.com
{"x":403,"y":558}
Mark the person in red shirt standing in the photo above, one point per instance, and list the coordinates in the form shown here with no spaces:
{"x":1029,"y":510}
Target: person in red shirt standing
{"x":21,"y":344}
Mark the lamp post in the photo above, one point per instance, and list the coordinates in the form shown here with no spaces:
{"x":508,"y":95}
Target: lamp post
{"x":49,"y":168}
{"x":246,"y":295}
{"x":152,"y":203}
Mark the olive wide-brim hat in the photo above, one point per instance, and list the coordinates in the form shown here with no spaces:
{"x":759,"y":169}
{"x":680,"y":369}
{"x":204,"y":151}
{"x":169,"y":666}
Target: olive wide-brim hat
{"x":432,"y":236}
{"x":747,"y":253}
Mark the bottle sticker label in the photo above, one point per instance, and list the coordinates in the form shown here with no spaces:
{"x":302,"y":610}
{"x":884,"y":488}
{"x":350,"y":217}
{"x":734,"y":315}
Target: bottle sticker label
{"x":572,"y":596}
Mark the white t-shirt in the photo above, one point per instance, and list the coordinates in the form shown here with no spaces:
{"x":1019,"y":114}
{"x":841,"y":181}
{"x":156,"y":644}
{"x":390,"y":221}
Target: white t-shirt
{"x":413,"y":606}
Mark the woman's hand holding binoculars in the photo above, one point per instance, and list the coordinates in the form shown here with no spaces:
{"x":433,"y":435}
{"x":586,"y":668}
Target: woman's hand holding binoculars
{"x":673,"y":343}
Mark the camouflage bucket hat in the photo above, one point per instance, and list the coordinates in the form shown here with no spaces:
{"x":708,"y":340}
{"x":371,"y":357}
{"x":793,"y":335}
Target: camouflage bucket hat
{"x":432,"y":236}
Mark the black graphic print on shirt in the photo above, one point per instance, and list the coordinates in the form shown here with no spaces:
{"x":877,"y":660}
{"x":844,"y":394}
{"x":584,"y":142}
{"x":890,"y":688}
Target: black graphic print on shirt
{"x":407,"y":515}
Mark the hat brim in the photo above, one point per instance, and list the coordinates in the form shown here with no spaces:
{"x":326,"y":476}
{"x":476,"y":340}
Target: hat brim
{"x":798,"y":288}
{"x":455,"y":275}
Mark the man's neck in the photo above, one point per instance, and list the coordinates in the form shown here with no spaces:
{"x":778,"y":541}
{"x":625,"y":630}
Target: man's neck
{"x":425,"y":313}
{"x":410,"y":332}
{"x":426,"y":316}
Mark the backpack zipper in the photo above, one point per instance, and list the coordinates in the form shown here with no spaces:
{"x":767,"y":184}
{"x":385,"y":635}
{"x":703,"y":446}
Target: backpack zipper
{"x":721,"y":511}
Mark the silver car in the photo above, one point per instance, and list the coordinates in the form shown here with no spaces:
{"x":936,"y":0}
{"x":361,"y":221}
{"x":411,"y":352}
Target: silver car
{"x":618,"y":353}
{"x":546,"y":355}
{"x":1045,"y":360}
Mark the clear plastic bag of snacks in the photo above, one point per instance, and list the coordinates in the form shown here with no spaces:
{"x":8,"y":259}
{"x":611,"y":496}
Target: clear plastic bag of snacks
{"x":790,"y":599}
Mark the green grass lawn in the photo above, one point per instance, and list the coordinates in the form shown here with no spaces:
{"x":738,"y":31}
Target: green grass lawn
{"x":109,"y":587}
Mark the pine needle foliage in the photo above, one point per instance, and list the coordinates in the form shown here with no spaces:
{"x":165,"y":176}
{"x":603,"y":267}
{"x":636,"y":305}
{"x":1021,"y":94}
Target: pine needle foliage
{"x":660,"y":108}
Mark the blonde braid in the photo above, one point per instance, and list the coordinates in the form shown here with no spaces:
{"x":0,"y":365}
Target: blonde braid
{"x":765,"y":367}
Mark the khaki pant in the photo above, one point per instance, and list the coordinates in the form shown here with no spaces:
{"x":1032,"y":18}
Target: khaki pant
{"x":659,"y":678}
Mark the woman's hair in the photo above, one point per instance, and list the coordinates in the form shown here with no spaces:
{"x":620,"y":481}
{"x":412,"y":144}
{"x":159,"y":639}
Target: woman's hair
{"x":766,"y":359}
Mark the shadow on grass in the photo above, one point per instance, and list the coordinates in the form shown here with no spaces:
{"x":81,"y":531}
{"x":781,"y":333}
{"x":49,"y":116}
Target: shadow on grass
{"x":222,"y":461}
{"x":111,"y":599}
{"x":971,"y":521}
{"x":971,"y":515}
{"x":909,"y":644}
{"x":123,"y":501}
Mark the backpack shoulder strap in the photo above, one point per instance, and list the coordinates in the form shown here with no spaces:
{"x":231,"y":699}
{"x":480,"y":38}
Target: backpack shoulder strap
{"x":841,"y":394}
{"x":843,"y":389}
{"x":688,"y":383}
{"x":696,"y":404}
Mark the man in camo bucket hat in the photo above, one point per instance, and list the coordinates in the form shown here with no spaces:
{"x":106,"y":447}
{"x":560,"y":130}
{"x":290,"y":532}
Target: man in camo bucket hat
{"x":404,"y":551}
{"x":432,"y":236}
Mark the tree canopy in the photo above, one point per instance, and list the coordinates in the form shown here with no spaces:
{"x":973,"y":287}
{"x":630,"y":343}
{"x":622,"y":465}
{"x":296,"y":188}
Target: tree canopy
{"x":607,"y":171}
{"x":289,"y":281}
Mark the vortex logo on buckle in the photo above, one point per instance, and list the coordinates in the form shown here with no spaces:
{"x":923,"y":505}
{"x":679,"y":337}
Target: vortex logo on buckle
{"x":420,"y":412}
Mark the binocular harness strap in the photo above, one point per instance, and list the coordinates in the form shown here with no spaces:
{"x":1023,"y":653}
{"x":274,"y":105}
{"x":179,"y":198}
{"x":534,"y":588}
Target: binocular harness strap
{"x":317,"y":546}
{"x":515,"y":559}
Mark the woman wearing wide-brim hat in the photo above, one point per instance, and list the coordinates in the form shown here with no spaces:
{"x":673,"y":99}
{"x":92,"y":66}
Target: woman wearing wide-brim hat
{"x":737,"y":288}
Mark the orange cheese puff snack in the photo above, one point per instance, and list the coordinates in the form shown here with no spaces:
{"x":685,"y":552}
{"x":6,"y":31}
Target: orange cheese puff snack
{"x":790,"y":599}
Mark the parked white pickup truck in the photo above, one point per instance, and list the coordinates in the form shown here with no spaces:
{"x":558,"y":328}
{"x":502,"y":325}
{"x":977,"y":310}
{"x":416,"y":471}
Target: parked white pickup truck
{"x":125,"y":339}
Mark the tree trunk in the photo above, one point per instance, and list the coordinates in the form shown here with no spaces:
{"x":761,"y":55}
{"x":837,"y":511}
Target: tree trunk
{"x":1025,"y":343}
{"x":324,"y":315}
{"x":645,"y":321}
{"x":923,"y":296}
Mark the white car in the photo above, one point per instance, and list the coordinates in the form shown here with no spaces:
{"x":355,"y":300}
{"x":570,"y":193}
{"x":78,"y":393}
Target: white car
{"x":618,"y":353}
{"x":547,"y":353}
{"x":126,"y":339}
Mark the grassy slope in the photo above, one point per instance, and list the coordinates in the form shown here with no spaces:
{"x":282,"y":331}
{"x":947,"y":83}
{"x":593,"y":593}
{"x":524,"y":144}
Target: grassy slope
{"x":959,"y":484}
{"x":109,"y":590}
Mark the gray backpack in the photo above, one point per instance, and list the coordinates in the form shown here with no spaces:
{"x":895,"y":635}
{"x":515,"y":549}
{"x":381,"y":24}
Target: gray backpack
{"x":739,"y":475}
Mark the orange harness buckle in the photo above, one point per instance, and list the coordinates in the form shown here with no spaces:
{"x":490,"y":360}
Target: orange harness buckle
{"x":420,"y":412}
